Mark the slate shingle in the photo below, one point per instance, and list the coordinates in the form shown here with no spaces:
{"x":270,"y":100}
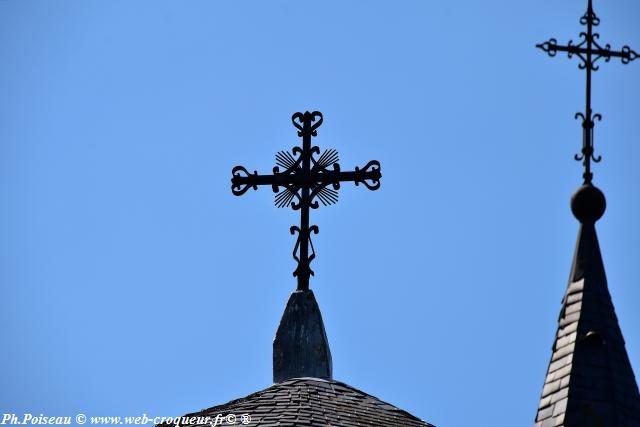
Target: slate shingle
{"x":314,"y":402}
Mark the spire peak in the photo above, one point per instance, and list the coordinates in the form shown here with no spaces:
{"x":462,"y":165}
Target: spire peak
{"x":301,"y":348}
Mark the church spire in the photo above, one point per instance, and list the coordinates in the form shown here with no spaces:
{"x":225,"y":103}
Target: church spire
{"x":589,"y":381}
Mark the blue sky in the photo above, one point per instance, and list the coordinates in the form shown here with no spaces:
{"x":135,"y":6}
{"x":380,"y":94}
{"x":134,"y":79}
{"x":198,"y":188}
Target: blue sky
{"x":134,"y":282}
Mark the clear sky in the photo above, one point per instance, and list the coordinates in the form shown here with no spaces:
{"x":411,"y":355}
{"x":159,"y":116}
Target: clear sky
{"x":133,"y":281}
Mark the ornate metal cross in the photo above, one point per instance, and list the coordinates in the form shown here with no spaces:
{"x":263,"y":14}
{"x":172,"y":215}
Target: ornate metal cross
{"x":304,"y":181}
{"x":589,"y":52}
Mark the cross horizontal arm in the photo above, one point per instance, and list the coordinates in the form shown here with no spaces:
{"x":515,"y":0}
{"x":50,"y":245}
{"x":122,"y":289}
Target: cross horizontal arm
{"x":625,"y":54}
{"x":241,"y":183}
{"x":356,"y":176}
{"x":588,"y":54}
{"x":254,"y":179}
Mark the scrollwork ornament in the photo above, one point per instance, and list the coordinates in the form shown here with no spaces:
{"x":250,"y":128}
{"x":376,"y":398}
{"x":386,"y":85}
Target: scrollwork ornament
{"x":550,"y":46}
{"x":590,"y":18}
{"x":628,"y":55}
{"x":240,"y":183}
{"x":369,"y":175}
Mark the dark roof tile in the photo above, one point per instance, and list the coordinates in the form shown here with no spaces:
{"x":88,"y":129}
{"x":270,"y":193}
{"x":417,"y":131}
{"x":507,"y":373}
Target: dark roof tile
{"x":314,"y":402}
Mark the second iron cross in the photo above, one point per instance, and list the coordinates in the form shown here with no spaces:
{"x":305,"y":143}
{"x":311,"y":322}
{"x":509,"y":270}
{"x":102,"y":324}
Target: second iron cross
{"x":305,"y":180}
{"x":589,"y":52}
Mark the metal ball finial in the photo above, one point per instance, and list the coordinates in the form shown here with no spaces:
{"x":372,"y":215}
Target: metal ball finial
{"x":588,"y":203}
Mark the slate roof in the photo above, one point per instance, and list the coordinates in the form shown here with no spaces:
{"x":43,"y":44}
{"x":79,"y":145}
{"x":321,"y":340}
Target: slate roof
{"x":314,"y":402}
{"x":589,"y":381}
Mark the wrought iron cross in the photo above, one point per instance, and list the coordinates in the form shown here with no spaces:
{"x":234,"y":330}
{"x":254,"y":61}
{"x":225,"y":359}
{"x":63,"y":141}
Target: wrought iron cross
{"x":589,"y":52}
{"x":304,"y":181}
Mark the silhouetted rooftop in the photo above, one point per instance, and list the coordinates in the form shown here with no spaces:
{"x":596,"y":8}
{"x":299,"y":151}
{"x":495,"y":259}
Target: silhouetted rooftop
{"x":314,"y":402}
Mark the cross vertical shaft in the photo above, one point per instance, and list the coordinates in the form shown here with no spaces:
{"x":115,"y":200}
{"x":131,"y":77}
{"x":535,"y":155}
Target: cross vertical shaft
{"x":304,"y":269}
{"x":587,"y":123}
